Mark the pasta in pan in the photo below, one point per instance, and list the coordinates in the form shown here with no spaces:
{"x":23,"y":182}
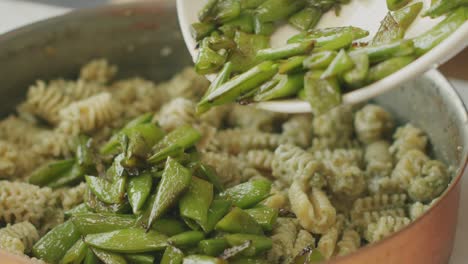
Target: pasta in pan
{"x":339,"y":181}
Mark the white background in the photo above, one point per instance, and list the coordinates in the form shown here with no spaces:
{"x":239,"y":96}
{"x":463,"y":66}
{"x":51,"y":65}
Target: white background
{"x":15,"y":13}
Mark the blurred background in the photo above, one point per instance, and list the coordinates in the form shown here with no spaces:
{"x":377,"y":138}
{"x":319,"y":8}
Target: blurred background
{"x":16,"y":13}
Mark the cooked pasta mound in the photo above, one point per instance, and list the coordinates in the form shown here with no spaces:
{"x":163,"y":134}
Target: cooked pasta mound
{"x":341,"y":180}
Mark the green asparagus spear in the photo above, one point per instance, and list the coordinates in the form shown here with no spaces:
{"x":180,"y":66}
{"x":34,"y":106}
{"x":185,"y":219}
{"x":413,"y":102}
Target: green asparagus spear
{"x":109,"y":257}
{"x":50,"y":172}
{"x":106,"y":191}
{"x":208,"y":60}
{"x":222,"y":77}
{"x":90,"y":257}
{"x":200,"y":30}
{"x":292,"y":65}
{"x":195,"y":203}
{"x":265,"y":216}
{"x":284,"y":86}
{"x":178,"y":140}
{"x":199,"y":259}
{"x":382,"y":52}
{"x":169,"y":226}
{"x":139,"y":258}
{"x":243,"y":57}
{"x":218,"y":209}
{"x":356,"y":77}
{"x":259,"y":243}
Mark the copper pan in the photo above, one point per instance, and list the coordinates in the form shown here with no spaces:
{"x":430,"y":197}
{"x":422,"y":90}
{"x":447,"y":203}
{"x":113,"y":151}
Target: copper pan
{"x":144,"y":39}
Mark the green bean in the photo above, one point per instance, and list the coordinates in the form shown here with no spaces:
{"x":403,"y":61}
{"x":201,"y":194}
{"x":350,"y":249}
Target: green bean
{"x":50,"y":172}
{"x":141,"y":139}
{"x":250,"y":4}
{"x":405,"y":16}
{"x":79,"y":209}
{"x":169,"y":226}
{"x":116,"y":169}
{"x":440,"y":7}
{"x":387,"y":67}
{"x":106,"y":191}
{"x":441,"y":31}
{"x":206,"y":12}
{"x":55,"y":244}
{"x":175,"y":180}
{"x":245,"y":23}
{"x":243,"y":58}
{"x":195,"y":203}
{"x":172,"y":255}
{"x":76,"y":253}
{"x":227,"y":10}
{"x":73,"y":176}
{"x":200,"y":30}
{"x":382,"y":52}
{"x":218,"y":209}
{"x":131,"y":240}
{"x":265,"y":216}
{"x":112,"y":145}
{"x":286,"y":51}
{"x":322,"y":94}
{"x":395,"y":23}
{"x":98,"y":206}
{"x":209,"y":173}
{"x":186,"y":239}
{"x":319,"y":60}
{"x":213,"y":247}
{"x":396,"y":4}
{"x":340,"y":64}
{"x":259,"y":243}
{"x":199,"y":259}
{"x":244,"y":83}
{"x":84,"y":155}
{"x":178,"y":140}
{"x":331,"y":37}
{"x":92,"y":223}
{"x":109,"y":257}
{"x":238,"y":221}
{"x":90,"y":257}
{"x":222,"y":77}
{"x":274,"y":10}
{"x":140,"y":258}
{"x":248,"y":194}
{"x":208,"y":60}
{"x":356,"y":77}
{"x":306,"y":18}
{"x":285,"y":85}
{"x":263,"y":28}
{"x":292,"y":65}
{"x":138,"y":190}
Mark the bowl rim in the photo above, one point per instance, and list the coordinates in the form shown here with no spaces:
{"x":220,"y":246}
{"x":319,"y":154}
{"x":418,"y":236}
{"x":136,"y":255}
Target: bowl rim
{"x":433,"y":74}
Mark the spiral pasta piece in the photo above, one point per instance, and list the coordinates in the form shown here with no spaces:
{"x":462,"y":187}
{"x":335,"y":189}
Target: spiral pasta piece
{"x":283,"y":238}
{"x":16,"y":162}
{"x":378,"y":159}
{"x":249,"y":117}
{"x":350,"y":242}
{"x":89,"y":114}
{"x":24,"y":202}
{"x":71,"y":197}
{"x":259,"y":159}
{"x":417,"y":209}
{"x":409,"y":167}
{"x":20,"y":131}
{"x":292,"y":163}
{"x":408,"y":138}
{"x":304,"y":239}
{"x":384,"y":227}
{"x":175,"y":113}
{"x":380,"y":203}
{"x":433,"y":181}
{"x":98,"y":70}
{"x":187,"y":84}
{"x":372,"y":123}
{"x":235,"y":141}
{"x":25,"y":232}
{"x":299,"y":129}
{"x":314,"y":211}
{"x":327,"y":243}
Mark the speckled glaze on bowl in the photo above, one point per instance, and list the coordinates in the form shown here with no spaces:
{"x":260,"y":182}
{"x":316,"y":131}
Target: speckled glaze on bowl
{"x":144,"y":39}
